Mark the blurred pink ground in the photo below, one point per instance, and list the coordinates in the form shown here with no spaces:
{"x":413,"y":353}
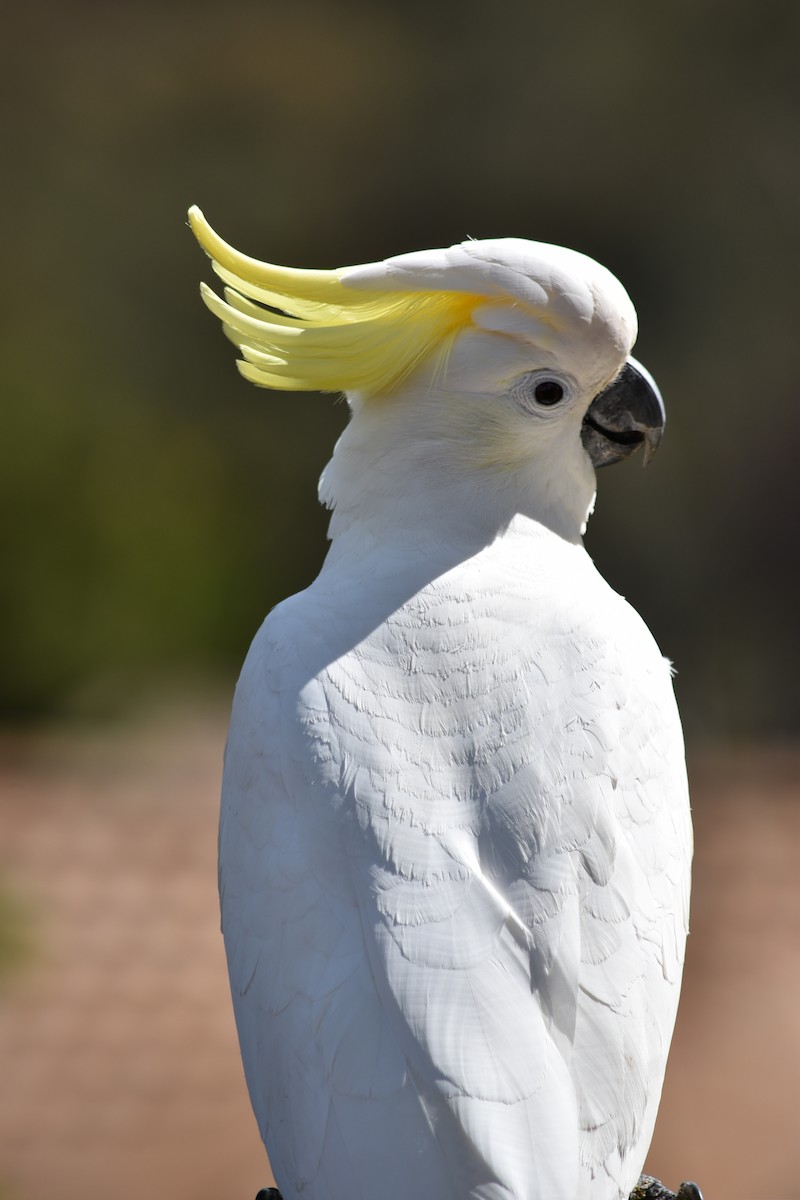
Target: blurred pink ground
{"x":119,"y":1065}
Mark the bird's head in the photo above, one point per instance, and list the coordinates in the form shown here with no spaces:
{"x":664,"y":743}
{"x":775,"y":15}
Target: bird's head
{"x":494,"y":369}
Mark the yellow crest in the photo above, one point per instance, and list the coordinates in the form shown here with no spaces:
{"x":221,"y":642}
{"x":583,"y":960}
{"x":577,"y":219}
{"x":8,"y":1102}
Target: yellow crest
{"x":326,"y":336}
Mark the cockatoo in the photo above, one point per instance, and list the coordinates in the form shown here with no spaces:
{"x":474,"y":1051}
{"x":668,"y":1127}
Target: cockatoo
{"x":455,"y":837}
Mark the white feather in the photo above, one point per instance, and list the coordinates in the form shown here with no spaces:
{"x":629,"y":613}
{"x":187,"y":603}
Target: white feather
{"x":455,"y":841}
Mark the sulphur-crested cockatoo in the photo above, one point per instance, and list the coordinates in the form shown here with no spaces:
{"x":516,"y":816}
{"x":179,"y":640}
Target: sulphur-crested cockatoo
{"x":455,"y":838}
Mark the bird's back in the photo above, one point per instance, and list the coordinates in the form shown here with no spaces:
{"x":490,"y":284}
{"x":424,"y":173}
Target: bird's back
{"x":454,"y":868}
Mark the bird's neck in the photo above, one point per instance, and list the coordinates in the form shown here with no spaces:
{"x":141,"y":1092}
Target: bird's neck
{"x":404,"y":471}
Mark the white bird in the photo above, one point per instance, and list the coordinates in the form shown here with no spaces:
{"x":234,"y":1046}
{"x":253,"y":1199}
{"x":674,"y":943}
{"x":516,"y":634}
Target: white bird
{"x":455,"y":838}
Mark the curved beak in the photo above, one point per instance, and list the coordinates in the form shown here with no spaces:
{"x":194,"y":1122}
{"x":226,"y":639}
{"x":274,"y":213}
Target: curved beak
{"x":629,"y":413}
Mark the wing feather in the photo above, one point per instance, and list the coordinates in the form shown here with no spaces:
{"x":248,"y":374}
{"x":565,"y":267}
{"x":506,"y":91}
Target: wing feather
{"x":445,"y":901}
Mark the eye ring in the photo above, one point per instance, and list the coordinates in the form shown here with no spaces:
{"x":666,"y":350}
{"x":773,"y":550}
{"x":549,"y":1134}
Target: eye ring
{"x":543,"y":392}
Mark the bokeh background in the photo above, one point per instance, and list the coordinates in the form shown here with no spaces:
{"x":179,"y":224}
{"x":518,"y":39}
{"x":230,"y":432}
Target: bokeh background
{"x":153,"y":506}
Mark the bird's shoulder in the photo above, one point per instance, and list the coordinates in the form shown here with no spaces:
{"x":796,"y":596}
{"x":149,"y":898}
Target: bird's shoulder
{"x":360,"y":671}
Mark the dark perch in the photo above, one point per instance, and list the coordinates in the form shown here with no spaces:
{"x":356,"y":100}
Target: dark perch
{"x":647,"y":1188}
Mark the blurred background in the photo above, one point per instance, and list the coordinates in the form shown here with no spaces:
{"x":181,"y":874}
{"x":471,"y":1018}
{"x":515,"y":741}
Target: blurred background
{"x":153,"y":506}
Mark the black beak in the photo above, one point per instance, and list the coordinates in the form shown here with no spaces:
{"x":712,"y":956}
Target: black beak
{"x":629,"y":413}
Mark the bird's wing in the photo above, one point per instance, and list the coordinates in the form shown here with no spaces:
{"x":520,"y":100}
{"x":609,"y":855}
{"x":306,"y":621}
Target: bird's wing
{"x":444,"y":915}
{"x":324,"y":1057}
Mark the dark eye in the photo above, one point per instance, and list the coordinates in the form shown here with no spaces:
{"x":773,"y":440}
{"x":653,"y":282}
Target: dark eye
{"x":544,"y":394}
{"x":548,"y":392}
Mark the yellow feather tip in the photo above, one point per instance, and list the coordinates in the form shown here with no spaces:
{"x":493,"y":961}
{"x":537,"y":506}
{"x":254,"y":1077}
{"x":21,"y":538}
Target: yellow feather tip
{"x":333,"y":338}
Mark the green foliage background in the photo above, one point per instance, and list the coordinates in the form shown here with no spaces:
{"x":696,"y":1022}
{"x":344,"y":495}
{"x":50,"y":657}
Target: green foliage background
{"x":154,"y":506}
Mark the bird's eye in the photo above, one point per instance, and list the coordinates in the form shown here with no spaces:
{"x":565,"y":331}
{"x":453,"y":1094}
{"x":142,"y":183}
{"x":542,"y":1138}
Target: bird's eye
{"x":539,"y":392}
{"x":548,"y":392}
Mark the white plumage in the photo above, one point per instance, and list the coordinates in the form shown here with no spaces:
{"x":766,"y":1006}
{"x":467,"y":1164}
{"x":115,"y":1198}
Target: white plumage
{"x":455,"y":838}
